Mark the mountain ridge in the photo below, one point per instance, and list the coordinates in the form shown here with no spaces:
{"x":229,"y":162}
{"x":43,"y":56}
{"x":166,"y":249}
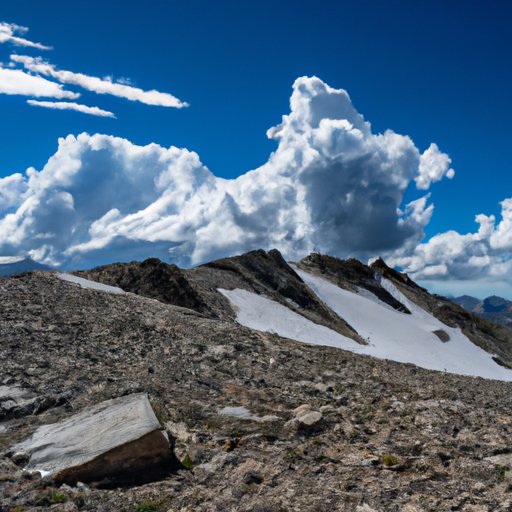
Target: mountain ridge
{"x":260,"y":422}
{"x":268,"y":274}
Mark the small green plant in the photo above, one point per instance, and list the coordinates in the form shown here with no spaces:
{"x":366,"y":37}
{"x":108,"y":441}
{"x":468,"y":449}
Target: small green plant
{"x":248,"y":488}
{"x":187,"y":462}
{"x":354,"y":436}
{"x":159,"y":412}
{"x":317,"y":441}
{"x":50,"y":498}
{"x":386,"y":404}
{"x":58,"y":497}
{"x":293,"y":456}
{"x":147,"y":506}
{"x":367,"y":414}
{"x":501,"y":471}
{"x":388,"y":459}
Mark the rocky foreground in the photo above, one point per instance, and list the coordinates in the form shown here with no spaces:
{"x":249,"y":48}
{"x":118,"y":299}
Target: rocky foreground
{"x":260,"y":423}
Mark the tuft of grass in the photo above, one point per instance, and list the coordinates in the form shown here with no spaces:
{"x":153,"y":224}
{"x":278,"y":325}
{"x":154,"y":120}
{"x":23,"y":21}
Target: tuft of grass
{"x":354,"y":436}
{"x":159,"y":411}
{"x":47,"y":498}
{"x":58,"y":497}
{"x":500,"y":471}
{"x":248,"y":488}
{"x":388,"y":459}
{"x":187,"y":462}
{"x":147,"y":506}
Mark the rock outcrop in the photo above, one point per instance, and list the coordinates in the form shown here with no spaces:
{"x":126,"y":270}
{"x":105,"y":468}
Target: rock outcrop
{"x":115,"y":441}
{"x":151,"y":278}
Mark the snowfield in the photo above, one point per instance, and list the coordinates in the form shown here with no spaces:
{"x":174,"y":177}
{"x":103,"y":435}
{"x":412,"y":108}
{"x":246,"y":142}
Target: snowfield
{"x":390,"y":334}
{"x":90,"y":285}
{"x":263,"y":314}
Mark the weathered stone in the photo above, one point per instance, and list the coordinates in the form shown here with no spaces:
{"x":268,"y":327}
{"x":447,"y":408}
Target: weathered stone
{"x":112,"y":440}
{"x":252,"y":477}
{"x":302,"y":409}
{"x":365,"y":508}
{"x":16,"y":402}
{"x":310,"y":418}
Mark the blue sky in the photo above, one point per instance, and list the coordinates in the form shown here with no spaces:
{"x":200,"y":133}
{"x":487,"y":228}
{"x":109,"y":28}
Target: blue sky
{"x":435,"y":71}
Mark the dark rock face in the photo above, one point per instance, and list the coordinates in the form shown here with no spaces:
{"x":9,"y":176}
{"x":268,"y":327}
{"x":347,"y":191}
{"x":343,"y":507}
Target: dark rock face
{"x":442,"y":335}
{"x":151,"y":278}
{"x":351,"y":273}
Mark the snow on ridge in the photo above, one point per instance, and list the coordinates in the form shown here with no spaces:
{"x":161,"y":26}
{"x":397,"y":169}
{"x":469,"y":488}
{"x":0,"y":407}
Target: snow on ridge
{"x":263,"y":314}
{"x":406,"y":338}
{"x":90,"y":285}
{"x":391,"y":334}
{"x":397,"y":294}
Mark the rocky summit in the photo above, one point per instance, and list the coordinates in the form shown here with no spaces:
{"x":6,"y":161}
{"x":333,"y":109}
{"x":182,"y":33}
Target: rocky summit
{"x":249,"y":384}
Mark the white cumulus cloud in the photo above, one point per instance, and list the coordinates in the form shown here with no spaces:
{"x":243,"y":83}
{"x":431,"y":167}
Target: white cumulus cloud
{"x":98,"y":85}
{"x":8,"y":33}
{"x":70,"y":105}
{"x":15,"y":81}
{"x":331,"y":185}
{"x":485,"y":254}
{"x":434,"y":166}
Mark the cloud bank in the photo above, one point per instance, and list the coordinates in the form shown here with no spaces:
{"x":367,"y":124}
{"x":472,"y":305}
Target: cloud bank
{"x":484,"y":254}
{"x":331,"y":185}
{"x":8,"y":33}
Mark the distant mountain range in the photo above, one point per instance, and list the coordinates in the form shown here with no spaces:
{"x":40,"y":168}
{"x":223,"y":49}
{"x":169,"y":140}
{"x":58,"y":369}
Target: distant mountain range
{"x":14,"y":265}
{"x":494,"y":308}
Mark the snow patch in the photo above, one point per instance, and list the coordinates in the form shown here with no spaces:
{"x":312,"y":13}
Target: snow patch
{"x":405,"y":338}
{"x":243,"y":413}
{"x":90,"y":285}
{"x":238,"y":412}
{"x":263,"y":314}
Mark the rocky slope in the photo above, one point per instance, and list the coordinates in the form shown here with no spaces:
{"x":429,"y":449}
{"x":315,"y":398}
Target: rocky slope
{"x":493,"y":308}
{"x":261,"y":423}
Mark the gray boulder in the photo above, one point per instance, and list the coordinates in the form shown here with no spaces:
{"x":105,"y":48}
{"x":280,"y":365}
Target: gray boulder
{"x":113,"y":442}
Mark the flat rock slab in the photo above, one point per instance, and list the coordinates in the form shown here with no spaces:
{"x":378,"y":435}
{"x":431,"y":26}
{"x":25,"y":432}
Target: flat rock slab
{"x":116,"y":440}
